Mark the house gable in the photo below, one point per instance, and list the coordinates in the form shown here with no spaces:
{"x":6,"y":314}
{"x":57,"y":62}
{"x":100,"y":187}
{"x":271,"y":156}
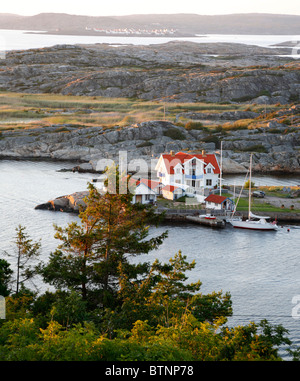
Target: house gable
{"x":209,"y":166}
{"x":170,"y":161}
{"x":141,"y":188}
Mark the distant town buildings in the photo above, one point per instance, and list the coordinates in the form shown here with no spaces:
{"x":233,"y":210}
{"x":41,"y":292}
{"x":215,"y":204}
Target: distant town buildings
{"x":133,"y":31}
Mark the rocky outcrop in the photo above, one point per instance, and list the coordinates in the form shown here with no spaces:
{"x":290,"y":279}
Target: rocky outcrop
{"x":199,"y":72}
{"x":219,"y":116}
{"x":70,"y":203}
{"x":275,"y":147}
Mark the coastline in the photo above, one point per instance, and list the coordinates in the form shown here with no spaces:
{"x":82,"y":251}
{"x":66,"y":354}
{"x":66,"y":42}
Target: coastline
{"x":280,"y":217}
{"x":73,"y":203}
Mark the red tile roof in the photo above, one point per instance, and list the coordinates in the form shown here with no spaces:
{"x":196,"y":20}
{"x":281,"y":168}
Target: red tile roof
{"x":180,"y":157}
{"x":216,"y":198}
{"x":169,"y":188}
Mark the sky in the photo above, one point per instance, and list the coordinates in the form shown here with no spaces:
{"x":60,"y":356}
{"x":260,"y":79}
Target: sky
{"x":128,"y":7}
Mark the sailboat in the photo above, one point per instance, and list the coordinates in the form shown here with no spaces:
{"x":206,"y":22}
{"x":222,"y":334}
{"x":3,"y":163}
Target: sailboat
{"x":254,"y":222}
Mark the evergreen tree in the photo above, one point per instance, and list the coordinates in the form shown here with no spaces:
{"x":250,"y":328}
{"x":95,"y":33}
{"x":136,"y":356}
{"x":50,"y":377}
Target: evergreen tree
{"x":26,"y":255}
{"x":5,"y":277}
{"x":164,"y":295}
{"x":112,"y":230}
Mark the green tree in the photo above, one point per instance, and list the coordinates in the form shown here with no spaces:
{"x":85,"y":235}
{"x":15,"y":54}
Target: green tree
{"x":164,"y":295}
{"x":247,"y":184}
{"x":26,"y":255}
{"x":112,"y":230}
{"x":5,"y":277}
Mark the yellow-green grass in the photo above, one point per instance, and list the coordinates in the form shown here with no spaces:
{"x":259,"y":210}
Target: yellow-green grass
{"x":19,"y":110}
{"x":258,"y":206}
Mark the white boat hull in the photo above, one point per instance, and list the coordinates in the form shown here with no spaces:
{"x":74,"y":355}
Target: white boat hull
{"x":254,"y":225}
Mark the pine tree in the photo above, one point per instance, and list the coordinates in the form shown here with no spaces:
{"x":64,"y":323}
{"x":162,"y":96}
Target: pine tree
{"x":5,"y":277}
{"x":27,"y":252}
{"x":111,"y":230}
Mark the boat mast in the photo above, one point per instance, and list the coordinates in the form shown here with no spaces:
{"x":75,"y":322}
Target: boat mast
{"x":249,"y":209}
{"x":221,"y":169}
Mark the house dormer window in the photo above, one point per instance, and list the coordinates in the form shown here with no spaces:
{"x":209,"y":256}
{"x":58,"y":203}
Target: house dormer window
{"x":208,"y":170}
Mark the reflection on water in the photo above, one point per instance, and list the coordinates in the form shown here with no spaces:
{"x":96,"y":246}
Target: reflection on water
{"x":260,"y":269}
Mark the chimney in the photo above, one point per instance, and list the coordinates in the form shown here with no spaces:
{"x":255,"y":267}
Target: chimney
{"x":172,"y":153}
{"x":203,"y":153}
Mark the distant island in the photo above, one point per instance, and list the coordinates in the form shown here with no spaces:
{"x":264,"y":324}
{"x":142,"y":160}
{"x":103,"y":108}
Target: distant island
{"x":154,"y":25}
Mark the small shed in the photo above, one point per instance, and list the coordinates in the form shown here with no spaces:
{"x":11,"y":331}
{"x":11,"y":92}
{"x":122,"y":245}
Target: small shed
{"x":214,"y":201}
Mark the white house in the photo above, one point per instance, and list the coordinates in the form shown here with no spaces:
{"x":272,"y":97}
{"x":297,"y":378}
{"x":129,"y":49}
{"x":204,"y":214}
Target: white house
{"x":192,"y":172}
{"x":214,"y":201}
{"x":145,"y":191}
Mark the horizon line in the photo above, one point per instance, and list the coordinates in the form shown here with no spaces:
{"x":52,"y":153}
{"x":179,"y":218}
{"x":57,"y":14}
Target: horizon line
{"x":154,"y":14}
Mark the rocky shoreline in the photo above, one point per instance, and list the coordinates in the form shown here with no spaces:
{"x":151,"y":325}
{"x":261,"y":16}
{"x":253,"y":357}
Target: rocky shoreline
{"x":74,"y":202}
{"x":278,"y":145}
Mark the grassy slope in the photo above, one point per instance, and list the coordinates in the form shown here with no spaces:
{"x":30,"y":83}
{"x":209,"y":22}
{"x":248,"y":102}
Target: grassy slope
{"x":29,"y":110}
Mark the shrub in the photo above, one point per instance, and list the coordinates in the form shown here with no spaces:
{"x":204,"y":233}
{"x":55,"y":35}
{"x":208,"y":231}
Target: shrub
{"x":247,"y":183}
{"x":174,"y":133}
{"x":144,"y":144}
{"x":193,"y":125}
{"x":264,"y":92}
{"x":255,"y":148}
{"x":212,"y":139}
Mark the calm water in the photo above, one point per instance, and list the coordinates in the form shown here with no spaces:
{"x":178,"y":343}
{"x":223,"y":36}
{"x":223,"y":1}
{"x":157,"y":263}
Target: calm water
{"x":260,"y":270}
{"x":16,"y":39}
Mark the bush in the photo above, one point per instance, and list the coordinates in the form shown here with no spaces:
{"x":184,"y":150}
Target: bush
{"x":247,"y":183}
{"x":194,"y":125}
{"x":174,"y":134}
{"x":212,"y":139}
{"x":255,"y":148}
{"x":144,"y":144}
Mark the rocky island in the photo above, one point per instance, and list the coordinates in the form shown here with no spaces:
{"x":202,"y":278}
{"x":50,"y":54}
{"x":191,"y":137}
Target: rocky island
{"x":173,"y":72}
{"x":243,"y":96}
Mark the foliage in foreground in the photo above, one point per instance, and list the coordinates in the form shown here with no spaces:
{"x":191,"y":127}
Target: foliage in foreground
{"x":107,"y":308}
{"x":186,"y":339}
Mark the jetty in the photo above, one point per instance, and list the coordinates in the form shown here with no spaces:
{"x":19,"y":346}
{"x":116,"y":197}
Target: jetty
{"x":197,"y":216}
